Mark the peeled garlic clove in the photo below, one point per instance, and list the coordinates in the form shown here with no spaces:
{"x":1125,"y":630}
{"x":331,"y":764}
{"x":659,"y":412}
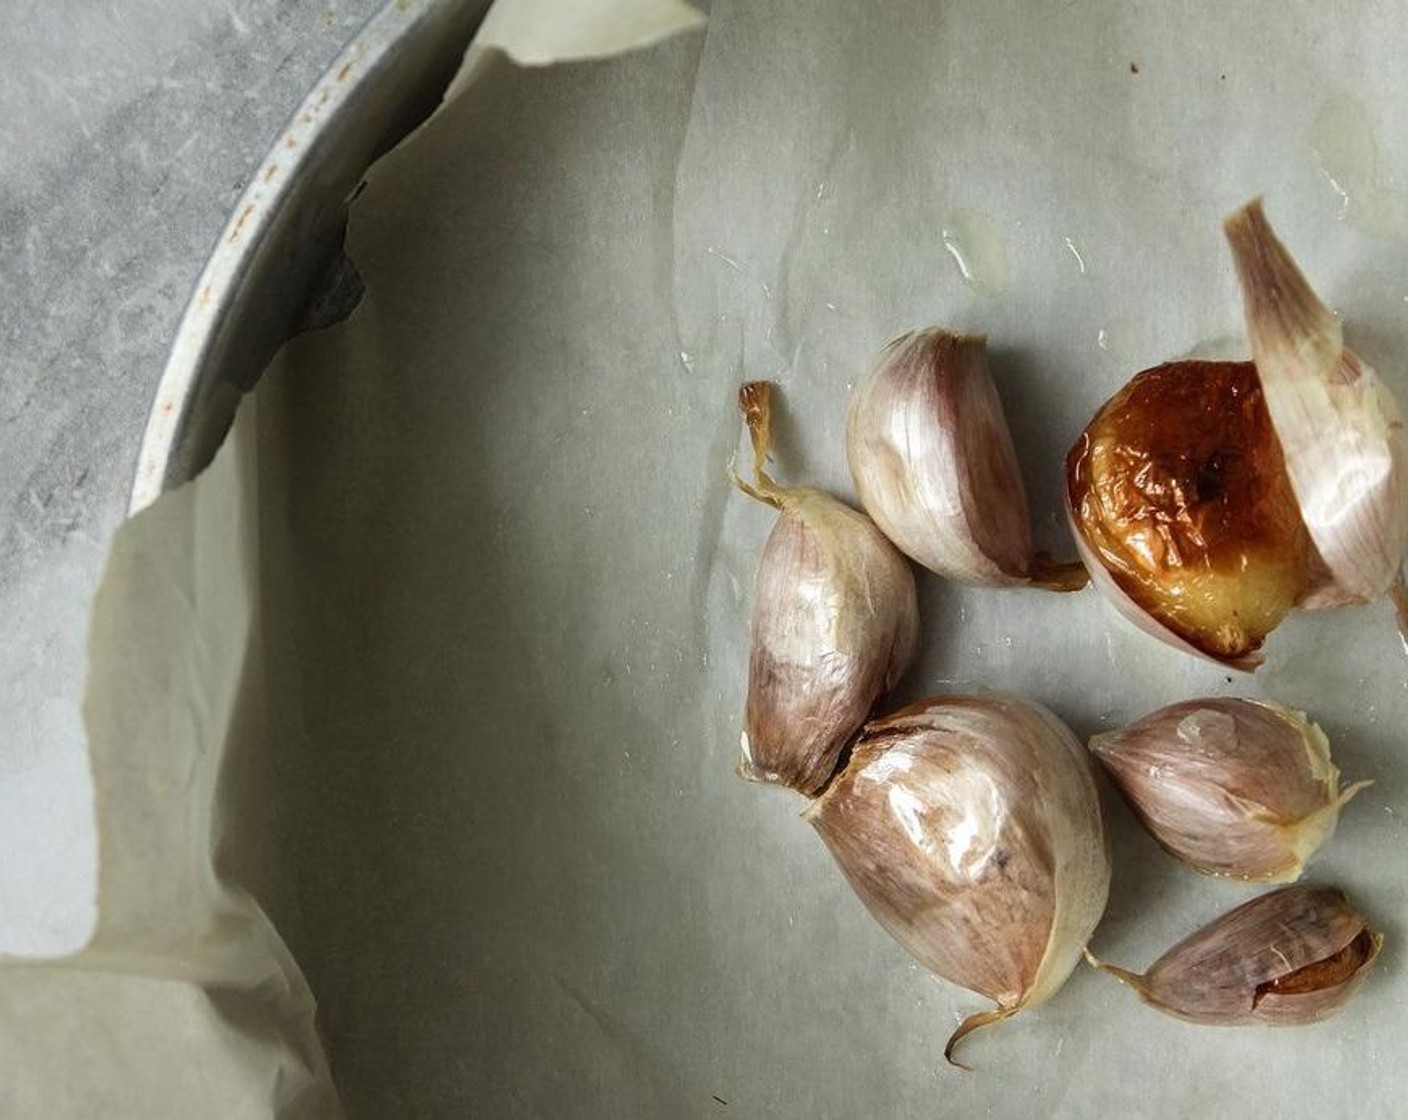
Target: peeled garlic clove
{"x":971,"y":829}
{"x":835,"y":624}
{"x":1180,"y":503}
{"x":933,"y":462}
{"x":1339,"y":425}
{"x":1289,"y":957}
{"x":1238,"y":788}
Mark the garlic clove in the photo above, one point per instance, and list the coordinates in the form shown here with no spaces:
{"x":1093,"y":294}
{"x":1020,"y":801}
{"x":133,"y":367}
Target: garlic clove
{"x":933,"y":462}
{"x":1237,"y":788}
{"x":971,"y":829}
{"x":1290,"y":957}
{"x":835,"y":624}
{"x":1312,"y":487}
{"x":1179,"y":500}
{"x":1339,"y":425}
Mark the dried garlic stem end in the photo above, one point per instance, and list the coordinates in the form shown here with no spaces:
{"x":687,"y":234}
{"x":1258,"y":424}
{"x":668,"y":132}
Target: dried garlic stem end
{"x":934,"y":464}
{"x":974,"y":1022}
{"x":1290,"y":957}
{"x":1339,"y":425}
{"x":755,"y":402}
{"x":1235,"y":788}
{"x":835,"y":623}
{"x":1124,"y":976}
{"x":1180,"y":504}
{"x":971,"y":829}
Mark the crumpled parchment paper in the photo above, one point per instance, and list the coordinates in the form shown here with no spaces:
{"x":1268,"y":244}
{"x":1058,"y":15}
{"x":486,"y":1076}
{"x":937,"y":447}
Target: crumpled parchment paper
{"x":441,"y":661}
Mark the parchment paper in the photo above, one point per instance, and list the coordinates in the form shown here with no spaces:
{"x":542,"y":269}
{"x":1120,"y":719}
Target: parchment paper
{"x":480,"y":774}
{"x":186,"y":1002}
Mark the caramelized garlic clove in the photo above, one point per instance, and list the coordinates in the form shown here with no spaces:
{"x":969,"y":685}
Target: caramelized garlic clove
{"x":1181,"y":507}
{"x":1290,"y":957}
{"x":835,"y":624}
{"x":1319,"y":514}
{"x":933,"y":461}
{"x":1339,"y":425}
{"x":971,"y":829}
{"x":1237,"y":788}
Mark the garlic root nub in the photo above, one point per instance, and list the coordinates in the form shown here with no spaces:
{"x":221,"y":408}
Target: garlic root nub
{"x":835,"y":623}
{"x":1339,"y":425}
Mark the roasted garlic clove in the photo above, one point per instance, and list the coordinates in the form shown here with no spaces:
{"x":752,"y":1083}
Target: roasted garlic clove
{"x":1211,"y":498}
{"x":1339,"y":425}
{"x":1237,"y":788}
{"x":933,"y":462}
{"x":1179,"y":499}
{"x":835,"y":624}
{"x":1293,"y":956}
{"x":971,"y":829}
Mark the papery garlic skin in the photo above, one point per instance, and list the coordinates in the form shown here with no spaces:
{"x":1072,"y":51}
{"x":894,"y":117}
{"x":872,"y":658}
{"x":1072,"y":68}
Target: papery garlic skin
{"x":1236,"y":788}
{"x":933,"y":462}
{"x":1290,"y":957}
{"x":970,"y":827}
{"x":1340,"y":426}
{"x":835,"y":624}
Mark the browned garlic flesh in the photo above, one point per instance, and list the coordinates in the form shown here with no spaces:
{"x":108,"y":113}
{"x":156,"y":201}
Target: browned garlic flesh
{"x":835,"y":623}
{"x":1289,"y":957}
{"x":1179,"y":501}
{"x":1237,"y":788}
{"x":933,"y":462}
{"x":1209,"y":499}
{"x":971,"y":829}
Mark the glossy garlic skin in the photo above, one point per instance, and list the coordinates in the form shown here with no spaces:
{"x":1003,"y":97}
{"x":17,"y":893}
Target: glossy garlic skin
{"x":1178,"y":495}
{"x":1290,"y":957}
{"x":971,"y":829}
{"x":835,"y":625}
{"x":1237,"y":788}
{"x":933,"y":460}
{"x":1339,"y":423}
{"x":835,"y":622}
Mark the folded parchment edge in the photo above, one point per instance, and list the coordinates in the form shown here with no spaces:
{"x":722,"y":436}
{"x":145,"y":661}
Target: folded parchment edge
{"x":173,"y":636}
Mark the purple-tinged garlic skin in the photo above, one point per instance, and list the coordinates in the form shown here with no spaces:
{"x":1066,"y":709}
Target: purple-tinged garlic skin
{"x":1338,"y":422}
{"x":971,"y":829}
{"x":1290,"y":957}
{"x":1236,"y":788}
{"x":835,"y":624}
{"x":934,"y":464}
